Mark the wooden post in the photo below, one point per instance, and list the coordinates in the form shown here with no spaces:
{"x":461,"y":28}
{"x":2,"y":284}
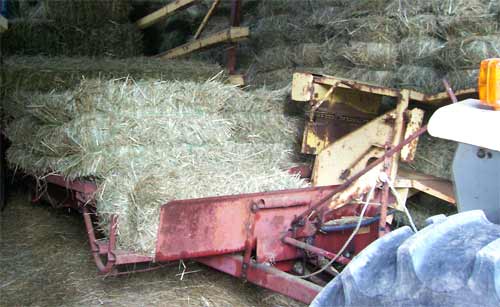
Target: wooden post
{"x":205,"y":19}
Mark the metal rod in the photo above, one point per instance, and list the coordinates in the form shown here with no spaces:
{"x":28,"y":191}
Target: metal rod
{"x":298,"y":221}
{"x":103,"y":268}
{"x":315,"y":250}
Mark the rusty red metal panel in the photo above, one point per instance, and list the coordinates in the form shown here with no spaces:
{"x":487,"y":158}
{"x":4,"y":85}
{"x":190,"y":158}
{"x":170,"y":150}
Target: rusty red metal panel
{"x":217,"y":225}
{"x":265,"y":276}
{"x":75,"y":185}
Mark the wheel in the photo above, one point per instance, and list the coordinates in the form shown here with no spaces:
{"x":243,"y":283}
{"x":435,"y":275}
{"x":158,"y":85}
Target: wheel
{"x":455,"y":261}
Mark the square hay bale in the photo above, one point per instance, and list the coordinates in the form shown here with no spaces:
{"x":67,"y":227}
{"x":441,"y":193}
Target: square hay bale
{"x":36,"y":73}
{"x":53,"y":39}
{"x":146,"y":143}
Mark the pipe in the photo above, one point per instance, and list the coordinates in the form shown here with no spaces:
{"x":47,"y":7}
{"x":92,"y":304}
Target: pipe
{"x":335,"y":228}
{"x":103,"y":268}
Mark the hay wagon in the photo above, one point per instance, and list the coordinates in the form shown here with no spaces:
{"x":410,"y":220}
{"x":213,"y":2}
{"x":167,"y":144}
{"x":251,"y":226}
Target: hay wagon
{"x":273,"y":238}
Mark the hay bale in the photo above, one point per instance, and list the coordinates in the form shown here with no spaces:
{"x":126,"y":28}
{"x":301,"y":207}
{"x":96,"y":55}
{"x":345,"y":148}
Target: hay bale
{"x":379,"y":29}
{"x":423,"y":50}
{"x":434,"y":156}
{"x":272,"y":80}
{"x":281,"y":30}
{"x":146,"y":143}
{"x":420,"y":25}
{"x":423,"y":79}
{"x":52,"y":39}
{"x":60,"y":73}
{"x":463,"y":7}
{"x":321,"y":17}
{"x":466,"y":26}
{"x":88,"y":12}
{"x":80,"y":124}
{"x":381,"y":56}
{"x":376,"y":77}
{"x":287,"y":57}
{"x":408,"y":8}
{"x":469,"y":52}
{"x":463,"y":79}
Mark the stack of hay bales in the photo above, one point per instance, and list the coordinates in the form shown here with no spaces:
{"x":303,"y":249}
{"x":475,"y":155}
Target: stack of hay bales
{"x":146,"y":143}
{"x":75,"y":28}
{"x":285,"y":37}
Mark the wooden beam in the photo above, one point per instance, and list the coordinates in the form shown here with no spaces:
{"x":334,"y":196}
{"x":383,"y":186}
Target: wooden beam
{"x":163,"y":13}
{"x":205,"y":19}
{"x":4,"y":24}
{"x":231,"y":35}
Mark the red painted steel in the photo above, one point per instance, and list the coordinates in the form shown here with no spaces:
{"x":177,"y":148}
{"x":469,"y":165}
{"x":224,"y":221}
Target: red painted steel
{"x":265,"y":276}
{"x":217,"y":225}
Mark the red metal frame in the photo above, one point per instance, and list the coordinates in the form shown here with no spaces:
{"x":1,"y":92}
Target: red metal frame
{"x":247,"y":236}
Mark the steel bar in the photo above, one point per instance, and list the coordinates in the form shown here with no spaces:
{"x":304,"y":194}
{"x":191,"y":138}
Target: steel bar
{"x":265,"y":276}
{"x":315,"y":250}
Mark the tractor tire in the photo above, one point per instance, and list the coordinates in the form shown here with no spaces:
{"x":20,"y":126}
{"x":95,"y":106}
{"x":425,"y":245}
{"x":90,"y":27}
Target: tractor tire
{"x":454,"y":261}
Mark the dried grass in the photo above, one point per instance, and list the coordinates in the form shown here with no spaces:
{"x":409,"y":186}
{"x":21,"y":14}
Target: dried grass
{"x":376,"y":77}
{"x":53,"y":39}
{"x":287,"y":57}
{"x":59,"y":73}
{"x":467,"y":26}
{"x":434,"y":156}
{"x":375,"y":28}
{"x":463,"y":79}
{"x":419,"y":78}
{"x":88,"y":12}
{"x":146,"y":143}
{"x":420,"y":25}
{"x":382,"y":56}
{"x":281,"y":30}
{"x":469,"y":52}
{"x":422,"y":50}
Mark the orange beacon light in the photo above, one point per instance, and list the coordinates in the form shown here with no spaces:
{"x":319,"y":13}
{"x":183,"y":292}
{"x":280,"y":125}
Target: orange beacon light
{"x":489,"y":83}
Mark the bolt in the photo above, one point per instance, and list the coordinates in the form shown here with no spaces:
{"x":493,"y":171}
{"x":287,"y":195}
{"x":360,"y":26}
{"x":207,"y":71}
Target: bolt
{"x":481,"y":153}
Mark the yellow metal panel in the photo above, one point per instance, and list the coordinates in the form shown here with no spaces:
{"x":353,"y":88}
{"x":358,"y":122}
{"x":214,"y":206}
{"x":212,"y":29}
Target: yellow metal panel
{"x":302,"y":86}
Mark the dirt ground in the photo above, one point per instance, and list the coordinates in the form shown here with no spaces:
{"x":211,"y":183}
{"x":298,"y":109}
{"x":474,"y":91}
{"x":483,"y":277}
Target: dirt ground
{"x":45,"y":261}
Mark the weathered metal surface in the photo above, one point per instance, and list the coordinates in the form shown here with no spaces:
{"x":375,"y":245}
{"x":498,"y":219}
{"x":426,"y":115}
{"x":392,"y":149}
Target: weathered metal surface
{"x":265,"y":276}
{"x":325,"y":201}
{"x":437,"y":187}
{"x":335,"y":109}
{"x":218,"y":225}
{"x":352,"y":153}
{"x":414,"y":119}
